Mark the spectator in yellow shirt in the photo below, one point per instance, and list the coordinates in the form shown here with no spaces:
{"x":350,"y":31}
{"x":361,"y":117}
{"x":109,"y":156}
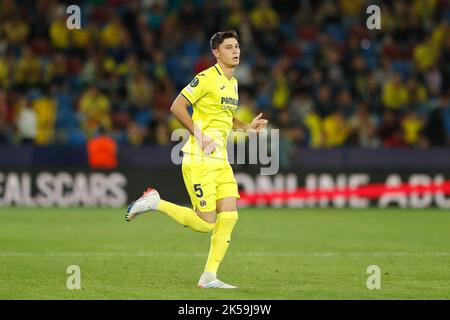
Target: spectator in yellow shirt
{"x":395,"y":93}
{"x":5,"y":71}
{"x":412,"y":124}
{"x":335,"y":129}
{"x":59,"y":33}
{"x":45,"y":108}
{"x":263,"y":14}
{"x":417,"y":93}
{"x":16,"y":30}
{"x":237,"y":14}
{"x":140,"y":91}
{"x":82,"y":38}
{"x":112,"y":33}
{"x":281,"y":91}
{"x":351,"y":7}
{"x":313,"y":123}
{"x":94,"y":107}
{"x":425,"y":54}
{"x":27,"y":69}
{"x":425,"y":8}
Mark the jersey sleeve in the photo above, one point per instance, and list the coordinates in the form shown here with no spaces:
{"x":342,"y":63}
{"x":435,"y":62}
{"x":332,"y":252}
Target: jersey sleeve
{"x":197,"y":89}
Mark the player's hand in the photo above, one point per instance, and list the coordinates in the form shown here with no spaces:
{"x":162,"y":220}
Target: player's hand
{"x":208,"y":145}
{"x":258,"y":124}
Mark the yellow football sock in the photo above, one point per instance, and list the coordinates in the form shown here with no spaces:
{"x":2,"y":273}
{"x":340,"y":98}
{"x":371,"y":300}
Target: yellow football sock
{"x":220,"y":239}
{"x":185,"y":216}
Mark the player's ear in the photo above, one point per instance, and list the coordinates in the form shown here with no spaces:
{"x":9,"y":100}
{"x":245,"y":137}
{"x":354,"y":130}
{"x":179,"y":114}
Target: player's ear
{"x":215,"y":52}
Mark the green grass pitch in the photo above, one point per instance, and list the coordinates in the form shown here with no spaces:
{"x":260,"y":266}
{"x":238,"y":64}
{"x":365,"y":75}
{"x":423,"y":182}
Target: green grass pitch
{"x":274,"y":254}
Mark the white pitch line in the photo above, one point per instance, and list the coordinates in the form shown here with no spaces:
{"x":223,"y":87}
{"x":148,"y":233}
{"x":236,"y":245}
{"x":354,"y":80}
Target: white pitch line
{"x":204,"y":254}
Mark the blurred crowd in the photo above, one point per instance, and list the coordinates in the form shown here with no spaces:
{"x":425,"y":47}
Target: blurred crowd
{"x":312,"y":67}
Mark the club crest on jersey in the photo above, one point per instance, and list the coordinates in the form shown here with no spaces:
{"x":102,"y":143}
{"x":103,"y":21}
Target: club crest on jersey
{"x":202,"y":203}
{"x":194,"y":82}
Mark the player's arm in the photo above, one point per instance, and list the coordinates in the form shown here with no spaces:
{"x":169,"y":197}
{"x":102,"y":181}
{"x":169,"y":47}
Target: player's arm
{"x":257,"y":124}
{"x":179,"y":109}
{"x":239,"y":125}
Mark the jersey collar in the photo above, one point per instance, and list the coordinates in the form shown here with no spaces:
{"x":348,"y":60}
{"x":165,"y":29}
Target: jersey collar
{"x":220,"y":71}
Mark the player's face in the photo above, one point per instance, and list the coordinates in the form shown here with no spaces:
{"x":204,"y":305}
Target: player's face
{"x":229,"y":52}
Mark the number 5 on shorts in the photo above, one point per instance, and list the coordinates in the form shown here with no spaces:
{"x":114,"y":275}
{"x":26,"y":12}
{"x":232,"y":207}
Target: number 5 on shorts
{"x":198,"y":190}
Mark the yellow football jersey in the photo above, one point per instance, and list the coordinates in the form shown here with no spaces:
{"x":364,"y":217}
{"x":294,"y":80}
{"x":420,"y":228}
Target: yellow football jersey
{"x":214,"y":99}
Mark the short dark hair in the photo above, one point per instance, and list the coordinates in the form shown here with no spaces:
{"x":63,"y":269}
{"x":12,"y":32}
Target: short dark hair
{"x":218,"y":38}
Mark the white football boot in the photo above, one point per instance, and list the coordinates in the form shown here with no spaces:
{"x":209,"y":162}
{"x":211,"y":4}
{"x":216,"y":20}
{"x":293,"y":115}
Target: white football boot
{"x":148,"y":201}
{"x":208,"y":280}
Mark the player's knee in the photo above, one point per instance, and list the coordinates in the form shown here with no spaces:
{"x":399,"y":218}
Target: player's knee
{"x":209,"y":217}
